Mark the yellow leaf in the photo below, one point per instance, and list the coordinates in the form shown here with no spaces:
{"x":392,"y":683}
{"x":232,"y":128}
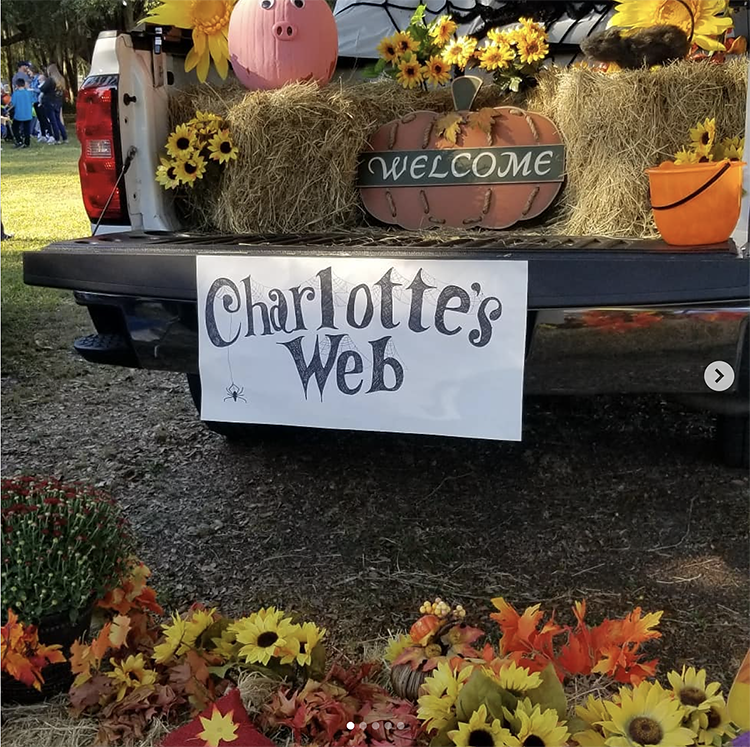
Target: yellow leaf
{"x":218,"y":728}
{"x":483,"y":120}
{"x":120,"y":629}
{"x":449,"y":126}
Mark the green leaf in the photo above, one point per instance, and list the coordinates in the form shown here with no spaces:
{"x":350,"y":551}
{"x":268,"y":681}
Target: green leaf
{"x":576,"y":724}
{"x":418,"y":17}
{"x":550,"y":693}
{"x":478,"y":690}
{"x":318,"y":662}
{"x":220,"y":672}
{"x":441,"y":739}
{"x":515,"y":83}
{"x":380,"y":65}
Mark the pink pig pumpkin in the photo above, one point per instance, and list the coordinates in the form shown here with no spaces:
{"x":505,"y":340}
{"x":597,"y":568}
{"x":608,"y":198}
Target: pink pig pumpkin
{"x":273,"y":42}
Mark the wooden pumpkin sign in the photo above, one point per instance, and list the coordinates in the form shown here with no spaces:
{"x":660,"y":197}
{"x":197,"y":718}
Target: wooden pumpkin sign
{"x":490,"y":168}
{"x":274,"y":42}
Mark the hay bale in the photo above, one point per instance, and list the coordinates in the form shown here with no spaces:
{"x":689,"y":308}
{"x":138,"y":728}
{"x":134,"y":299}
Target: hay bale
{"x":299,"y":145}
{"x":616,"y":126}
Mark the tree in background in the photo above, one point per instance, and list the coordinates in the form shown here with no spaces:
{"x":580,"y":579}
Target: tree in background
{"x":62,"y":31}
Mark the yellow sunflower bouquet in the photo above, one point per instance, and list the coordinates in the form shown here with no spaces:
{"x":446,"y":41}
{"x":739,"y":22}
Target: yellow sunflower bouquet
{"x":192,"y":148}
{"x":416,"y":57}
{"x":704,"y":146}
{"x":514,"y":56}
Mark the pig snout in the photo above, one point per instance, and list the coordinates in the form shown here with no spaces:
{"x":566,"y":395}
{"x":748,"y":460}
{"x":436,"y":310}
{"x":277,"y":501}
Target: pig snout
{"x":284,"y":31}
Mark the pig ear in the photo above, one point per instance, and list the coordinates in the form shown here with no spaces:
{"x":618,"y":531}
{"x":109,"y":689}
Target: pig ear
{"x":464,"y":90}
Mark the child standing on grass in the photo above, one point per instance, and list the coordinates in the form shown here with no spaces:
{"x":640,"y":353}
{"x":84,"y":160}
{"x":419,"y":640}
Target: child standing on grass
{"x":22,"y":102}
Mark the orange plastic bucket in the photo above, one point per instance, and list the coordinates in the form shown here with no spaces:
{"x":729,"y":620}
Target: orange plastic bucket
{"x":696,"y":204}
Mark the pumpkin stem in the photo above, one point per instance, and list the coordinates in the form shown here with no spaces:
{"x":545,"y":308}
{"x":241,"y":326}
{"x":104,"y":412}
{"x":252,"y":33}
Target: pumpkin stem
{"x":464,"y":90}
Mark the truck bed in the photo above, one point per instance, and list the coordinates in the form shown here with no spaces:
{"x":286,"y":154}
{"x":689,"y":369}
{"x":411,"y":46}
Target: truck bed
{"x":564,"y":271}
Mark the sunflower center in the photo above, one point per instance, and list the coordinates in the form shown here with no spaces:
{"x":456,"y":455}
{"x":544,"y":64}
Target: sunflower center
{"x":171,"y":173}
{"x":183,"y":143}
{"x":210,"y":16}
{"x":533,"y":741}
{"x":714,"y":718}
{"x":645,"y":730}
{"x":705,"y":139}
{"x":410,"y":71}
{"x":190,"y":168}
{"x":481,"y":738}
{"x":267,"y":639}
{"x":692,"y":696}
{"x":225,"y":147}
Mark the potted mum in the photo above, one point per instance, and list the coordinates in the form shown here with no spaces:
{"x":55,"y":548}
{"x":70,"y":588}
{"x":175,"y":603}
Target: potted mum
{"x":64,"y":546}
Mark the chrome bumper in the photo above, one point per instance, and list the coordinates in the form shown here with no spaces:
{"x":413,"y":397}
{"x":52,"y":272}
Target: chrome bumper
{"x":663,"y":349}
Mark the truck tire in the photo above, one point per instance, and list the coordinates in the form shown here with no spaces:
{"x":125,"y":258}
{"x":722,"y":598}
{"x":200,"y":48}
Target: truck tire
{"x":733,"y":440}
{"x":230,"y":431}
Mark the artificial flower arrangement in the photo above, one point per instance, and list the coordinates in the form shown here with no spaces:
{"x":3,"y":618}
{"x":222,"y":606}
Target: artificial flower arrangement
{"x":64,"y":545}
{"x":514,"y":695}
{"x":430,"y":53}
{"x":703,"y":146}
{"x":193,"y":147}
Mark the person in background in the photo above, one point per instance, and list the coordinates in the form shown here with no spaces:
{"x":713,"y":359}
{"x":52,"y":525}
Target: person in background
{"x":53,"y":90}
{"x":6,"y":114}
{"x":22,"y":73}
{"x":22,"y":101}
{"x":45,"y":131}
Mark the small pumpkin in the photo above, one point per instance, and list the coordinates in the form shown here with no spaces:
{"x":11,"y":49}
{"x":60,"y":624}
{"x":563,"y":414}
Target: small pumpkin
{"x":424,"y":628}
{"x":274,"y":42}
{"x":462,"y":205}
{"x":406,"y":681}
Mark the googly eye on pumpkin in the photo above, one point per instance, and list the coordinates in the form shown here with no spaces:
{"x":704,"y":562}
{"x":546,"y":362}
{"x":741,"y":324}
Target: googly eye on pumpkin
{"x":267,"y":4}
{"x":298,"y":3}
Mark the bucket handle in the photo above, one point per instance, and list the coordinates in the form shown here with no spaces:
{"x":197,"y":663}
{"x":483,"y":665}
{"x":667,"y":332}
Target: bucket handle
{"x":698,"y":191}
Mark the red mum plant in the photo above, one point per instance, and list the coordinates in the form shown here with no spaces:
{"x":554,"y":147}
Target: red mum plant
{"x":23,"y":657}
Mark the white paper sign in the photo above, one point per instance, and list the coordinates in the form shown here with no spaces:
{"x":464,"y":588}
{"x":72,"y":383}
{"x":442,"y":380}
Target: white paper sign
{"x":407,"y":346}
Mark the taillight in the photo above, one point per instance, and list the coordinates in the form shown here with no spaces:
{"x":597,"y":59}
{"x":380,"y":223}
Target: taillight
{"x":100,"y":162}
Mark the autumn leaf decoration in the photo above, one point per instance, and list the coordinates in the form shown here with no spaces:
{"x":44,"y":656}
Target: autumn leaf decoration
{"x":23,"y":657}
{"x":611,"y":648}
{"x":464,"y":92}
{"x":218,"y":728}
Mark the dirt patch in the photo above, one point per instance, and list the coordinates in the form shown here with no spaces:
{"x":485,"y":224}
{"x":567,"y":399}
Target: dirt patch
{"x":619,"y":500}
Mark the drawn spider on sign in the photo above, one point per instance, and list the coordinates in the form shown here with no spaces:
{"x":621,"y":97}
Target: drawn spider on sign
{"x":235,"y":393}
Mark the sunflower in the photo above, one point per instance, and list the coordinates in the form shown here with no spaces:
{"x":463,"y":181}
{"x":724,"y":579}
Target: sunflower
{"x":130,"y":673}
{"x":704,"y":153}
{"x":388,"y":49}
{"x":442,"y":30}
{"x":479,"y":731}
{"x":308,"y":635}
{"x":405,"y":43}
{"x":713,"y":725}
{"x":221,"y":148}
{"x":646,"y":715}
{"x":436,"y":71}
{"x":204,"y":117}
{"x":209,"y":20}
{"x":191,"y":169}
{"x":264,"y":636}
{"x":200,"y":621}
{"x":513,"y":678}
{"x":396,"y":646}
{"x":640,"y":14}
{"x":592,"y":714}
{"x":532,"y":47}
{"x":166,"y":174}
{"x":495,"y":56}
{"x":731,"y":148}
{"x":459,"y":51}
{"x":441,"y":691}
{"x":182,"y":142}
{"x":410,"y":73}
{"x":685,"y":156}
{"x":174,"y":633}
{"x":704,"y":133}
{"x":533,"y":726}
{"x":498,"y":36}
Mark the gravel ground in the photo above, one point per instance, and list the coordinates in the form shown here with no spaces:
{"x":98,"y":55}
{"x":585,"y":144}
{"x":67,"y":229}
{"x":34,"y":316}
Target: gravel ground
{"x":619,"y":500}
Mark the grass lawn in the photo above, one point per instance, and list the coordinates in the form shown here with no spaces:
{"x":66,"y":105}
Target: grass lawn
{"x":41,"y":203}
